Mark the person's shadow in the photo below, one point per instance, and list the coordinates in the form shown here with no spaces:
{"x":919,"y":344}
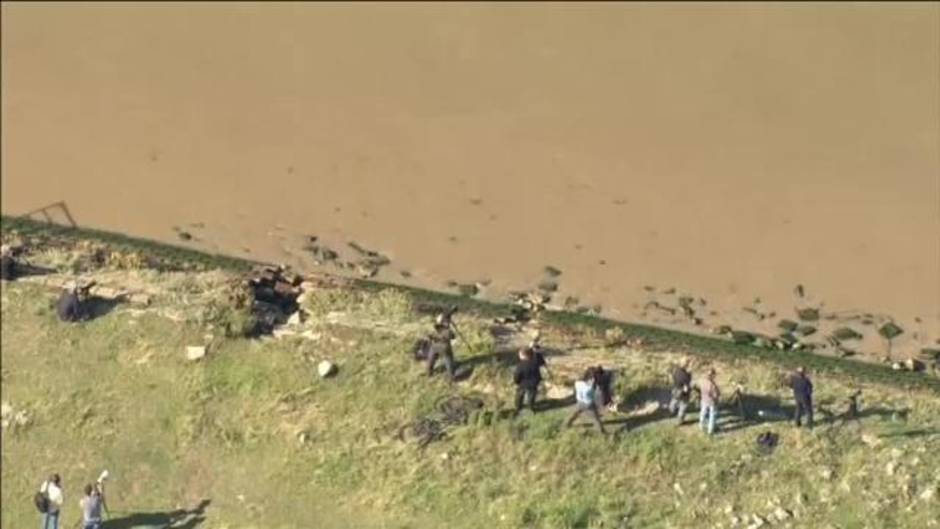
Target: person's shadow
{"x":175,"y":519}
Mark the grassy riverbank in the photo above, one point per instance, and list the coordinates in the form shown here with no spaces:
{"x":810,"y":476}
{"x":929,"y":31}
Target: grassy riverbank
{"x":254,"y":430}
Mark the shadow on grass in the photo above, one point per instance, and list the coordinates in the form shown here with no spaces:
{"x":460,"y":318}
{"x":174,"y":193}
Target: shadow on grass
{"x":96,"y":307}
{"x":177,"y":519}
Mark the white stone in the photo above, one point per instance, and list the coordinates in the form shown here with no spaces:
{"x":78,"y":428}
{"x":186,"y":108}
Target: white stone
{"x":929,"y":494}
{"x":326,"y":368}
{"x":296,"y":318}
{"x":6,"y":409}
{"x":195,"y":352}
{"x":890,"y":468}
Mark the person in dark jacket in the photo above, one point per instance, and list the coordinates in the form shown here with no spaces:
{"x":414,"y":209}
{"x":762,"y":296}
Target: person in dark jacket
{"x":803,"y":395}
{"x":681,"y":389}
{"x":8,"y":264}
{"x":441,"y":347}
{"x":527,"y":377}
{"x":69,"y":306}
{"x":604,"y":381}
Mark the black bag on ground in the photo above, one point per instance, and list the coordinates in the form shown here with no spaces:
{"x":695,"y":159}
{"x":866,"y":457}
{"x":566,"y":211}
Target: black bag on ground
{"x":41,"y":501}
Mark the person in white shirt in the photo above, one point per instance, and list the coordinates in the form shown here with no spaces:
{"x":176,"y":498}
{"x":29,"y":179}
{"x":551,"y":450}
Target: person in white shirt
{"x":53,"y":491}
{"x":584,"y":391}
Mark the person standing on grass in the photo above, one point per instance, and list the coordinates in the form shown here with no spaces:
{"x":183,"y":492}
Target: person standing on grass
{"x":803,"y":395}
{"x":528,"y":376}
{"x":681,"y":389}
{"x":441,"y":347}
{"x":584,"y":391}
{"x":52,"y":490}
{"x":710,"y":395}
{"x":91,"y":506}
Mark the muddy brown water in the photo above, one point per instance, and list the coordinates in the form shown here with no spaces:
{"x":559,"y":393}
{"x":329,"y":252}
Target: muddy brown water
{"x":728,"y":150}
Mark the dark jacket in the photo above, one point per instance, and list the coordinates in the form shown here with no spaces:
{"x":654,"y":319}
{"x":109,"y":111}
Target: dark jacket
{"x":440,"y":341}
{"x":528,"y":373}
{"x":69,"y":307}
{"x":802,"y":388}
{"x":7,"y":268}
{"x":681,"y":381}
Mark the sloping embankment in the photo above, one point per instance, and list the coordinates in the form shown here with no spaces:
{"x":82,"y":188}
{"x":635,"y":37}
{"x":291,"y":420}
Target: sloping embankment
{"x":654,"y":338}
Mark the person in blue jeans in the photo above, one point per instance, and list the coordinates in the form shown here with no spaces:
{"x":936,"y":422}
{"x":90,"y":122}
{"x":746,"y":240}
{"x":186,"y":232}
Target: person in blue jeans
{"x":710,"y":395}
{"x":91,"y":508}
{"x":585,"y":390}
{"x":52,"y":489}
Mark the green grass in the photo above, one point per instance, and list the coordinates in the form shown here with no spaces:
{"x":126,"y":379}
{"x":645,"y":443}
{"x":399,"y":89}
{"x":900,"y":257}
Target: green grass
{"x":118,"y":393}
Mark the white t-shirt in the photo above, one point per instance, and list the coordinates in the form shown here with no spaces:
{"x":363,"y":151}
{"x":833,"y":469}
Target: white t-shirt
{"x":55,"y":495}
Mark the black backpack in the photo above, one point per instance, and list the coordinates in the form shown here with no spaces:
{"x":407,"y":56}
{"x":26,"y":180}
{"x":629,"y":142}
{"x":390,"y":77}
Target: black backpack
{"x":42,"y":502}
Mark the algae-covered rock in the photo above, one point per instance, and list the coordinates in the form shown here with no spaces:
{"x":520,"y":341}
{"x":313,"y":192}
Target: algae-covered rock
{"x":890,"y":330}
{"x":808,"y":314}
{"x":846,"y":333}
{"x":742,"y":337}
{"x":805,"y":330}
{"x":787,"y":325}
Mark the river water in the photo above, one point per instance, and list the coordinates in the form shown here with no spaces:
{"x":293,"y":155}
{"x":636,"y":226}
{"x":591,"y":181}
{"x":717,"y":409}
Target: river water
{"x":731,"y":151}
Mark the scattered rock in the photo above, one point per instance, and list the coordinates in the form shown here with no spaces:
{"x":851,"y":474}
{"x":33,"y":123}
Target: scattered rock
{"x":890,"y":330}
{"x":552,"y":271}
{"x":326,"y":369}
{"x":195,"y":352}
{"x":806,"y":330}
{"x":297,"y":317}
{"x":548,"y":286}
{"x":808,"y":314}
{"x":912,"y":364}
{"x":184,"y":235}
{"x":405,"y":273}
{"x":742,"y":337}
{"x":721,"y":329}
{"x":891,"y":468}
{"x":468,"y":289}
{"x":669,"y":291}
{"x":929,"y":494}
{"x":781,"y":514}
{"x":798,"y":290}
{"x":871,"y":440}
{"x":931,"y":352}
{"x":788,"y":325}
{"x":846,"y":333}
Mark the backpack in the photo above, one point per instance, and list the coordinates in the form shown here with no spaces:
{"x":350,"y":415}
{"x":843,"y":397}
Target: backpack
{"x":41,"y":500}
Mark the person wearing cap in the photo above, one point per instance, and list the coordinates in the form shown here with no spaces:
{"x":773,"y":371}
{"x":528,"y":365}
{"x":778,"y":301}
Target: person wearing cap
{"x":681,"y":389}
{"x":803,"y":395}
{"x":709,"y":408}
{"x":52,"y":489}
{"x":69,"y":306}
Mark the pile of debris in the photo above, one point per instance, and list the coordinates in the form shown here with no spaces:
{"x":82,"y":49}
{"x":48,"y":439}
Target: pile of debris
{"x":275,"y":291}
{"x":450,"y":411}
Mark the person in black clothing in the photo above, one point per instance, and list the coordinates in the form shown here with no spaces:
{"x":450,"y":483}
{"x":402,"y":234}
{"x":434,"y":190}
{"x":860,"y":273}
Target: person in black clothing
{"x":69,"y":306}
{"x":803,"y":395}
{"x":8,"y":264}
{"x":681,"y":390}
{"x":604,"y":380}
{"x":441,"y":347}
{"x":528,"y":376}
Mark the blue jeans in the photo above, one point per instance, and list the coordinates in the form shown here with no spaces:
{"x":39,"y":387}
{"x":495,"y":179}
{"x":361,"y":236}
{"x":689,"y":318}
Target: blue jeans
{"x":50,"y":520}
{"x":709,"y":413}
